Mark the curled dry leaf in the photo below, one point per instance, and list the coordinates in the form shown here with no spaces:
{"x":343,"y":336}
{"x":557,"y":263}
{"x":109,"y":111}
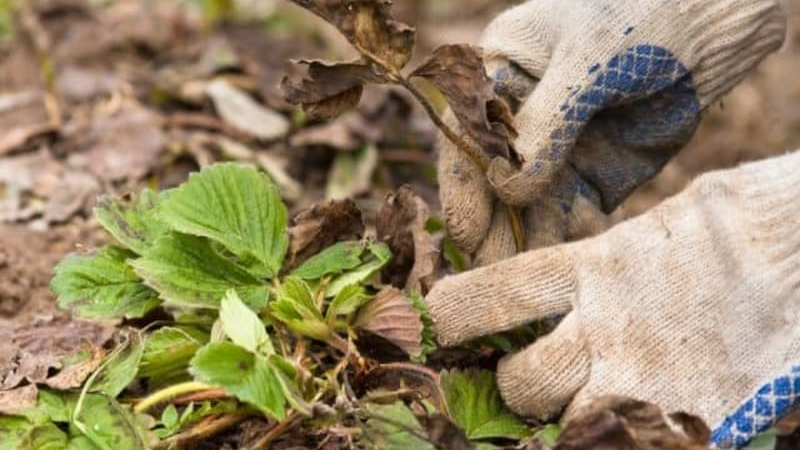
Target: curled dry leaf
{"x":325,"y":89}
{"x":391,"y":316}
{"x":401,"y":224}
{"x":458,"y":71}
{"x":369,"y":26}
{"x":625,"y":424}
{"x":321,"y":226}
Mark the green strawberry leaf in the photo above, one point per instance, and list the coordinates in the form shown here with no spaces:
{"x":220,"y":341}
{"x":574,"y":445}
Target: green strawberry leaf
{"x":295,"y":307}
{"x":246,"y":376}
{"x":187,"y":271}
{"x":394,"y":427}
{"x":120,"y":369}
{"x":379,"y":257}
{"x":166,"y":355}
{"x":348,"y":300}
{"x":548,"y":435}
{"x":132,"y":221}
{"x":236,"y":206}
{"x":428,"y":335}
{"x":243,"y":326}
{"x":475,"y":405}
{"x":109,"y":425}
{"x":14,"y":430}
{"x":102,"y":285}
{"x":331,"y":261}
{"x":44,"y":437}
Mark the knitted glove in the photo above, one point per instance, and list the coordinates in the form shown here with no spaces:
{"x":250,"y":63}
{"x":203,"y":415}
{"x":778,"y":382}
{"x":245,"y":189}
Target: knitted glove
{"x":694,"y":306}
{"x":621,"y":87}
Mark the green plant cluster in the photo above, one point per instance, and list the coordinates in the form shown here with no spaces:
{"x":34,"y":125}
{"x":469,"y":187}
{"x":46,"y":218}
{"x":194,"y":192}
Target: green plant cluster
{"x":210,"y":256}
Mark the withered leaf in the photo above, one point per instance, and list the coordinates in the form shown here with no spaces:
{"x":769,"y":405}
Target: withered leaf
{"x":391,"y":316}
{"x":622,"y":423}
{"x":401,"y":224}
{"x":321,"y":226}
{"x":18,"y":400}
{"x":325,"y":89}
{"x":458,"y":71}
{"x":369,"y":26}
{"x":29,"y":353}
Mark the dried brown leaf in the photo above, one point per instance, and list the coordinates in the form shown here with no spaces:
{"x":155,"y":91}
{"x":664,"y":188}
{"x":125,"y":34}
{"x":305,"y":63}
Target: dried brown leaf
{"x":73,"y":376}
{"x":369,"y":26}
{"x":18,"y":400}
{"x":326,"y":89}
{"x":622,"y":423}
{"x":29,"y":353}
{"x":458,"y":71}
{"x":401,"y":224}
{"x":392,"y":316}
{"x":321,"y":226}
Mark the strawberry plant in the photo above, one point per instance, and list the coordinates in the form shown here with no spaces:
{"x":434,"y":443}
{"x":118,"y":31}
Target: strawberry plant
{"x":234,"y":331}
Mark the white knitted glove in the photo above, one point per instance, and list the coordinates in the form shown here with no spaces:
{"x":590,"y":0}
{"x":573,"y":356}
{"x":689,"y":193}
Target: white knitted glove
{"x":622,"y":84}
{"x":694,"y":306}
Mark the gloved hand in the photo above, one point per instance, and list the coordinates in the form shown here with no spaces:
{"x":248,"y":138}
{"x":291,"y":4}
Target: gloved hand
{"x":621,"y":87}
{"x":693,"y":306}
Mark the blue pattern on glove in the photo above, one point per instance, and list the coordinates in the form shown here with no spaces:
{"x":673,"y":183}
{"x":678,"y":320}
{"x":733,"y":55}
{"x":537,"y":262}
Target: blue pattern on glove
{"x":643,"y":101}
{"x":770,"y":403}
{"x":637,"y":73}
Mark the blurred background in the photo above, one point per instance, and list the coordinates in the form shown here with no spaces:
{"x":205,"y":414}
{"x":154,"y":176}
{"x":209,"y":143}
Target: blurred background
{"x":108,"y":96}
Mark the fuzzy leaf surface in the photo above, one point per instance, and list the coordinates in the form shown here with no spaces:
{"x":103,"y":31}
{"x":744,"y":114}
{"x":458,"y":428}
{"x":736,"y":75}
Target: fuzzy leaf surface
{"x":133,"y":222}
{"x":331,"y":261}
{"x":247,"y":376}
{"x":44,"y":437}
{"x":187,"y":271}
{"x":102,"y":285}
{"x":379,"y":257}
{"x":121,"y":367}
{"x":394,"y":427}
{"x":474,"y":401}
{"x":166,"y":355}
{"x":236,"y":206}
{"x":243,"y":326}
{"x":111,"y":424}
{"x":348,"y":300}
{"x":296,"y":308}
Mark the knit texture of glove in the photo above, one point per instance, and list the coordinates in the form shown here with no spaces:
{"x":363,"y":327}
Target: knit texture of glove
{"x":621,"y":87}
{"x":694,"y":306}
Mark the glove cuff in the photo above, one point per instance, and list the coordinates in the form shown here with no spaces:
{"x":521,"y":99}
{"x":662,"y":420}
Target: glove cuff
{"x":729,"y":37}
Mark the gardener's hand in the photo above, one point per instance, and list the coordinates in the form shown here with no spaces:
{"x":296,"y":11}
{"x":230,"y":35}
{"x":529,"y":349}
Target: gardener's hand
{"x":622,"y":84}
{"x":694,"y":306}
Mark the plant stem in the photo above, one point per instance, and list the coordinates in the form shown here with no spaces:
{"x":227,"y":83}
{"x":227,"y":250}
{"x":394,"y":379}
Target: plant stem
{"x":474,"y":154}
{"x":206,"y":428}
{"x":169,"y":393}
